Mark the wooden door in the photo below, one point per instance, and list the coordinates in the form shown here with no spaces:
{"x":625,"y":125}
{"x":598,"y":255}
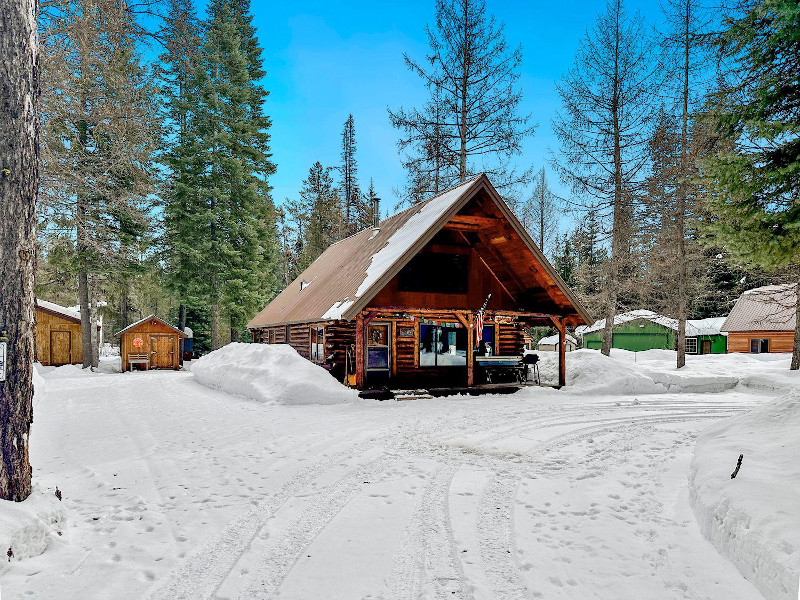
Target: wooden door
{"x":162,"y":351}
{"x":706,"y":349}
{"x":60,"y":348}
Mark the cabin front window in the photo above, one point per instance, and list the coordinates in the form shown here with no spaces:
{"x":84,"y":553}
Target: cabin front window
{"x":759,"y":345}
{"x":317,"y":344}
{"x":691,"y":345}
{"x":442,"y":346}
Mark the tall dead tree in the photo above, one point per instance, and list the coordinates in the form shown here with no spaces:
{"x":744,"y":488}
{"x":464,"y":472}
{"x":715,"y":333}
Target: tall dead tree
{"x":602,"y":127}
{"x":472,"y":77}
{"x":19,"y":180}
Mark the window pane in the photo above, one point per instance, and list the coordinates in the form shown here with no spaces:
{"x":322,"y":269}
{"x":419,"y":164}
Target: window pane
{"x":753,"y":346}
{"x":765,"y":345}
{"x":377,"y":358}
{"x":442,"y":346}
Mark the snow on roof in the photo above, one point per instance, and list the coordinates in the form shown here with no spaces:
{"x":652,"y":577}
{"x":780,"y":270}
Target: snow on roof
{"x":147,"y":318}
{"x":57,"y":308}
{"x":405,"y":236}
{"x":694,"y":327}
{"x":709,"y":326}
{"x":552,"y":340}
{"x":767,"y":308}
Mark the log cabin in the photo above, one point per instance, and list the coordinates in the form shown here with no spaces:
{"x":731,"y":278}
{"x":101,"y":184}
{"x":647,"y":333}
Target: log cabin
{"x":58,"y":334}
{"x":763,"y":320}
{"x":409,"y":302}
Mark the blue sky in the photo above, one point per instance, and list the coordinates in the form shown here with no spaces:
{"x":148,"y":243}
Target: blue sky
{"x":325,"y":60}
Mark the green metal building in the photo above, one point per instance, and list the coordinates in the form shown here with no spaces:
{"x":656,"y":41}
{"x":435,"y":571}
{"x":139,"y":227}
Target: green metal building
{"x":641,"y":330}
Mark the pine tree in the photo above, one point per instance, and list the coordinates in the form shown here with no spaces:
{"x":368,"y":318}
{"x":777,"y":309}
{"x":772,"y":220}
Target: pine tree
{"x":349,"y":188}
{"x":322,"y":208}
{"x":754,"y":172}
{"x":471,"y":122}
{"x":223,"y":224}
{"x":100,"y":130}
{"x":602,"y":128}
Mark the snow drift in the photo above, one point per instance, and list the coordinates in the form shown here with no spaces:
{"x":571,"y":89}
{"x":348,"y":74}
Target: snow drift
{"x":269,"y":373}
{"x":755,"y":518}
{"x":654,"y":372}
{"x":27,"y":527}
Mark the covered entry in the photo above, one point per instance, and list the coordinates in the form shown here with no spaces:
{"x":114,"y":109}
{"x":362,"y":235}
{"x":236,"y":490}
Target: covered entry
{"x":151,"y":344}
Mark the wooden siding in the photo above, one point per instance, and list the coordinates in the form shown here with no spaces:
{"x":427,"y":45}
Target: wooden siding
{"x":779,"y":341}
{"x":146,"y":331}
{"x":46,"y":325}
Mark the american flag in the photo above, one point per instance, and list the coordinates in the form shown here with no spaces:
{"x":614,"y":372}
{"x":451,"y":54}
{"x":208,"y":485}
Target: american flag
{"x":479,"y":328}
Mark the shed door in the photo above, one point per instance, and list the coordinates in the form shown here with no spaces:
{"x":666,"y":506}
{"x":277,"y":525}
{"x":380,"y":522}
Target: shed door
{"x":60,"y":348}
{"x":706,"y":347}
{"x":162,"y":351}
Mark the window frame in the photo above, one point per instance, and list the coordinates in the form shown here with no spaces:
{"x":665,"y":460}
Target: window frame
{"x":686,"y":343}
{"x":762,"y":345}
{"x":316,"y":347}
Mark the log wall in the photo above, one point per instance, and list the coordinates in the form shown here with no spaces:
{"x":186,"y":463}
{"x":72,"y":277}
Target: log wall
{"x":779,"y":341}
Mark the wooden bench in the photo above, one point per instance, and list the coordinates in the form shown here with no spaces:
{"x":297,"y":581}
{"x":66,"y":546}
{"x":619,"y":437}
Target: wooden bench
{"x":139,"y":359}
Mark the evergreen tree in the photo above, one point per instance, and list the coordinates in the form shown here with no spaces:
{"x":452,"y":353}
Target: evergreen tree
{"x":349,"y":189}
{"x":323,"y":210}
{"x":100,"y":131}
{"x":224,"y":223}
{"x":754,"y":173}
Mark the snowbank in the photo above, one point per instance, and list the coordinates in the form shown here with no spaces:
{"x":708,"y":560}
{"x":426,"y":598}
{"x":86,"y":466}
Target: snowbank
{"x":26,"y":527}
{"x":754,"y":519}
{"x":654,"y":372}
{"x":269,"y":373}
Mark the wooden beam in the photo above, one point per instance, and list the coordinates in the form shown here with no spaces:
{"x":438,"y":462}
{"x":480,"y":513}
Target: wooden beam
{"x":393,"y":347}
{"x":471,"y":351}
{"x":562,"y":352}
{"x":360,"y":351}
{"x":483,"y":222}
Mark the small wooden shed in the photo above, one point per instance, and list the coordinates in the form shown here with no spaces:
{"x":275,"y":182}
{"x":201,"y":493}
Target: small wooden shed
{"x":58,"y":335}
{"x":151,"y":343}
{"x":763,"y":320}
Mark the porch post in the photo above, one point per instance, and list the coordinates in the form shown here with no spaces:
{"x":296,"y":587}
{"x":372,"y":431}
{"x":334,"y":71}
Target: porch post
{"x":360,"y":351}
{"x":562,"y":353}
{"x":470,"y":352}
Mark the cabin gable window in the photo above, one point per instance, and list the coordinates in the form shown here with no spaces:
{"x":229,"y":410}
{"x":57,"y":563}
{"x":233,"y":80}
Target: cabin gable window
{"x":759,"y":345}
{"x":317,"y":344}
{"x":435,"y":273}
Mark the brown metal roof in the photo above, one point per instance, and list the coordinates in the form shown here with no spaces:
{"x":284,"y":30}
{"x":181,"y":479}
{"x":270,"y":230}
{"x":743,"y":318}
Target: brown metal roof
{"x":343,"y":280}
{"x":768,"y":308}
{"x":150,"y":318}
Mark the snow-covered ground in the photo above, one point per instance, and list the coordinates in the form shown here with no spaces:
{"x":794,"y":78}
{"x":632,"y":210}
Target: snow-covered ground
{"x":176,"y":490}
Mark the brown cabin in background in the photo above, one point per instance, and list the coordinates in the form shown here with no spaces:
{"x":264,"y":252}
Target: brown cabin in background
{"x":152,"y":344}
{"x":396,"y":305}
{"x":58,"y":335}
{"x":763,"y":320}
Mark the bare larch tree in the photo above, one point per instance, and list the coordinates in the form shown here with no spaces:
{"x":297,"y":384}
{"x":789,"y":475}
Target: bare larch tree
{"x":602,"y":127}
{"x":472,"y":122}
{"x":19,"y":180}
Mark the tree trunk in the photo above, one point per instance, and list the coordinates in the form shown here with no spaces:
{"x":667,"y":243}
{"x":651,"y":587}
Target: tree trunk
{"x":680,"y":221}
{"x":94,"y":352}
{"x":85,"y":299}
{"x":216,"y":341}
{"x":182,"y":317}
{"x":796,"y":349}
{"x":19,"y":177}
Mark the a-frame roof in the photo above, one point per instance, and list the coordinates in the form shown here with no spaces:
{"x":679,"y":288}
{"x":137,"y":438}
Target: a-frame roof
{"x":345,"y":278}
{"x":150,"y":318}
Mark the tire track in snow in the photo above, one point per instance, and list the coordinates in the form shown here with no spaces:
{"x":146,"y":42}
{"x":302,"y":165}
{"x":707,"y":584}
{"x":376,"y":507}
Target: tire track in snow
{"x":284,"y":548}
{"x":201,"y":574}
{"x":427,"y":564}
{"x":495,"y":529}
